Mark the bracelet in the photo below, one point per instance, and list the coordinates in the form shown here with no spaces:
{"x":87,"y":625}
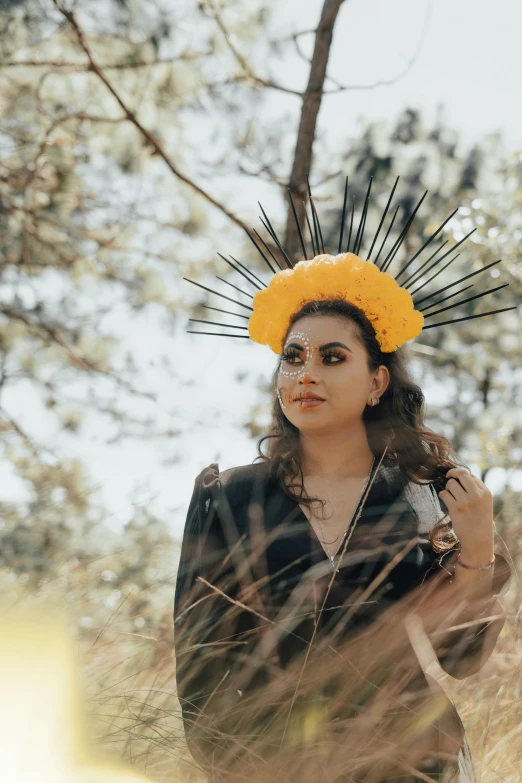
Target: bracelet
{"x":475,"y":568}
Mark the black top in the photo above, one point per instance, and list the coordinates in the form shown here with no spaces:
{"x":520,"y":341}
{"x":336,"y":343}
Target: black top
{"x":269,"y":574}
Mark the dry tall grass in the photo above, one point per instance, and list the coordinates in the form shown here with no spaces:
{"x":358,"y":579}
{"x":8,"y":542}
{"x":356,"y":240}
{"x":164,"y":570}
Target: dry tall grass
{"x":127,"y":659}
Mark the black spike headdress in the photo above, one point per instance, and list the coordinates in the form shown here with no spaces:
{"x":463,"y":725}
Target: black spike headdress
{"x":388,"y":304}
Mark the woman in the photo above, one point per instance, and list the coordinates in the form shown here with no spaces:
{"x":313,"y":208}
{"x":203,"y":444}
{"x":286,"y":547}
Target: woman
{"x":314,"y":585}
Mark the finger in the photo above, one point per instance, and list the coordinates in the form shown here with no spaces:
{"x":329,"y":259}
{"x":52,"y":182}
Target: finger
{"x":467,"y":480}
{"x":448,"y":500}
{"x":457,"y":491}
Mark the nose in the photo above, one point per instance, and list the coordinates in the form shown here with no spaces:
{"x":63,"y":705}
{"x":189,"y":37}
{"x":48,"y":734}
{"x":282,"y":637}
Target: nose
{"x":307,"y":377}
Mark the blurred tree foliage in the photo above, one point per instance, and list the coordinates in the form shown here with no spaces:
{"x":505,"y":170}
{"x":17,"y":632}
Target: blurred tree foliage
{"x":99,"y":200}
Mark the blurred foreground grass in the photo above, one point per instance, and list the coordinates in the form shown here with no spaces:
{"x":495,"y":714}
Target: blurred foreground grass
{"x":123,"y":638}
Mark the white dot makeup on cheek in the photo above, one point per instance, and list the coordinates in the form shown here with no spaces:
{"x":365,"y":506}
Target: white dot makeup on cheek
{"x":281,"y":398}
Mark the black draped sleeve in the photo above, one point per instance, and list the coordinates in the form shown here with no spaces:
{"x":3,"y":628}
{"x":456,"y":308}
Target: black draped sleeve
{"x":208,"y":626}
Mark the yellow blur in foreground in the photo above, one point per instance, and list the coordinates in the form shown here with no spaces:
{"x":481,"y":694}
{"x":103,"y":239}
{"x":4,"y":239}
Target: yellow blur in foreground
{"x":42,"y":726}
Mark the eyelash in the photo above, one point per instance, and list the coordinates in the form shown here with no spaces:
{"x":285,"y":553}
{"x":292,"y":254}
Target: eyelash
{"x":292,"y":354}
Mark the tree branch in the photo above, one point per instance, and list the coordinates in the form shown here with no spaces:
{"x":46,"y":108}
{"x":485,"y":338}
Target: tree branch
{"x":307,"y":125}
{"x":248,"y":72}
{"x":374,"y":85}
{"x":41,"y":331}
{"x":10,"y":424}
{"x":131,"y":117}
{"x":53,"y":334}
{"x":73,"y":66}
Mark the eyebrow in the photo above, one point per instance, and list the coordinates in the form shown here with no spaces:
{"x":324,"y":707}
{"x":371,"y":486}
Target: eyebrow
{"x":322,"y":347}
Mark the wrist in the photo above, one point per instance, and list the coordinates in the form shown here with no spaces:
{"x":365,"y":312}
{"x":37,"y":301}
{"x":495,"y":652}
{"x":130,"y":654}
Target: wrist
{"x":474,"y":580}
{"x":478,"y":554}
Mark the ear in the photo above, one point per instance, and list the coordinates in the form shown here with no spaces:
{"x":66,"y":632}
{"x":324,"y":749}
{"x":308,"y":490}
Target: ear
{"x":381,"y":380}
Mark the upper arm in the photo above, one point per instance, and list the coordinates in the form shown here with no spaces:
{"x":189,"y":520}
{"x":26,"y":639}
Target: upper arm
{"x":207,"y":618}
{"x":197,"y":603}
{"x":208,"y":622}
{"x":203,"y":547}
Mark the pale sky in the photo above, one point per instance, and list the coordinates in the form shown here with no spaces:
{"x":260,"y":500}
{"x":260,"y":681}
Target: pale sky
{"x":469,"y":60}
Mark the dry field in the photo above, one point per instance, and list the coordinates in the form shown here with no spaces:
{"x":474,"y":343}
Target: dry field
{"x":123,"y":637}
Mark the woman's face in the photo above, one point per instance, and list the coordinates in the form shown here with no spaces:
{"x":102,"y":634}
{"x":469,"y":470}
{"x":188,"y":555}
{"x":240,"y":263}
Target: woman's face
{"x":321,"y":355}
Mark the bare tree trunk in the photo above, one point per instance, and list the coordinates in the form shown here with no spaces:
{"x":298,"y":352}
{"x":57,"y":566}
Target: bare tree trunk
{"x":306,"y":133}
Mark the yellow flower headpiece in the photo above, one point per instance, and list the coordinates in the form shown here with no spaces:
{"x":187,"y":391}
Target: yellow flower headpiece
{"x":388,"y":307}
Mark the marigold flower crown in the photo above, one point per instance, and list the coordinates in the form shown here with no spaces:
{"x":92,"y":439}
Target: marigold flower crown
{"x":389,"y":306}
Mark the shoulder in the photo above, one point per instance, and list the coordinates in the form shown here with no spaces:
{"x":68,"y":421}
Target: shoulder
{"x":244,"y":474}
{"x":231,"y":491}
{"x":237,"y":480}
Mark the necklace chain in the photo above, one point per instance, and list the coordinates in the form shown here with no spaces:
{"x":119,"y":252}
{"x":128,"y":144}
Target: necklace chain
{"x":332,"y":557}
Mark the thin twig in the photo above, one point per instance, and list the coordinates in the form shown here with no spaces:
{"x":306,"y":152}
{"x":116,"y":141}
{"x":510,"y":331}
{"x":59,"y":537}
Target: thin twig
{"x":131,"y":117}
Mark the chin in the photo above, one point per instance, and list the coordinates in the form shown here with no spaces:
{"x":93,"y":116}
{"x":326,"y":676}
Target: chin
{"x":306,"y":422}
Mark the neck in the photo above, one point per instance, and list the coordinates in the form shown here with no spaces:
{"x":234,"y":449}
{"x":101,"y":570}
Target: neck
{"x":336,"y":455}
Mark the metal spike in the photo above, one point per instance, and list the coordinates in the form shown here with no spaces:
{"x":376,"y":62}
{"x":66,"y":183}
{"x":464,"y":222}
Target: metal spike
{"x":218,"y":294}
{"x":443,"y":257}
{"x":310,"y":230}
{"x":419,"y":270}
{"x":465,"y":301}
{"x":351,"y":226}
{"x":240,"y":272}
{"x":260,"y":251}
{"x":297,"y":224}
{"x":386,"y":237}
{"x":439,"y":301}
{"x":258,"y":235}
{"x":316,"y":232}
{"x":219,"y":334}
{"x":461,"y":280}
{"x":343,"y":218}
{"x":315,"y":218}
{"x":362,"y":234}
{"x":404,"y":268}
{"x":470,"y":317}
{"x":234,"y":286}
{"x":362,"y":222}
{"x":402,"y":236}
{"x":271,"y":231}
{"x":248,"y":270}
{"x":436,"y":274}
{"x":276,"y":240}
{"x":219,"y":310}
{"x":382,"y":219}
{"x":217,"y":323}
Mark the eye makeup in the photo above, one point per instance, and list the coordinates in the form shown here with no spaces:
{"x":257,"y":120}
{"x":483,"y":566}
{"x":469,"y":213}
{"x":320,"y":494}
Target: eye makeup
{"x":291,"y":353}
{"x":322,"y":348}
{"x":308,"y":354}
{"x":292,"y":350}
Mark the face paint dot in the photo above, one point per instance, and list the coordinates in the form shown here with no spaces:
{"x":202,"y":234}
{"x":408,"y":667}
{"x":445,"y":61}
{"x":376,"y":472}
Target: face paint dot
{"x":308,"y":355}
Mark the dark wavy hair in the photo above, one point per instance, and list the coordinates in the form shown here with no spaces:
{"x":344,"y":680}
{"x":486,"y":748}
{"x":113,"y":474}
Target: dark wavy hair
{"x":395,"y":426}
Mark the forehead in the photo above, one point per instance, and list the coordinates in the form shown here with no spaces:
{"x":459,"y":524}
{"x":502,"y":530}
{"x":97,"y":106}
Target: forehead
{"x":320,"y":329}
